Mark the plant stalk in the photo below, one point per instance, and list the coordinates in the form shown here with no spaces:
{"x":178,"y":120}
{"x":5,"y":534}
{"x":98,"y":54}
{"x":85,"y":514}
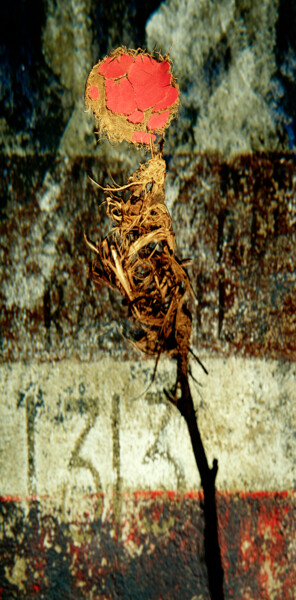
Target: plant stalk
{"x":208,"y":476}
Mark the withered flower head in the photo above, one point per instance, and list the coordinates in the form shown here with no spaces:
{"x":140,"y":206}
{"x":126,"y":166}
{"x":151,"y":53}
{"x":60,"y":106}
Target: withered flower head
{"x":132,"y":95}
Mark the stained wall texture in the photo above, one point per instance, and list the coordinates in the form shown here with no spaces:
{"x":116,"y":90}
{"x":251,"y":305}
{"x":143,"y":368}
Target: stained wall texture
{"x":100,"y":496}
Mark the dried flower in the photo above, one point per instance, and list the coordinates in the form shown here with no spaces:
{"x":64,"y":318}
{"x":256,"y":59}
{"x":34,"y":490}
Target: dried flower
{"x":133,"y":96}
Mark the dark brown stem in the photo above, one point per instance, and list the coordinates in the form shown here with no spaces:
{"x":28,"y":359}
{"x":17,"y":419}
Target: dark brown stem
{"x":208,"y":476}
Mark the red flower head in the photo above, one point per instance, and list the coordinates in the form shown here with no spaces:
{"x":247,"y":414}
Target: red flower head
{"x":133,"y":96}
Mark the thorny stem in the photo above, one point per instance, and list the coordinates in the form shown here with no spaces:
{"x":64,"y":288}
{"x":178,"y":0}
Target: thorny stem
{"x":208,"y":476}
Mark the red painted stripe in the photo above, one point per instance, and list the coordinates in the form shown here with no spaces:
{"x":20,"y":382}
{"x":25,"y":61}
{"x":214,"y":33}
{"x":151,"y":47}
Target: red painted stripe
{"x":167,"y":495}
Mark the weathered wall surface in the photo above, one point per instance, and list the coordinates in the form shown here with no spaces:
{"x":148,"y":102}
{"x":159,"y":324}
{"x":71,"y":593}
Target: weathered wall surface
{"x":94,"y":459}
{"x":100,"y":497}
{"x":235,"y":221}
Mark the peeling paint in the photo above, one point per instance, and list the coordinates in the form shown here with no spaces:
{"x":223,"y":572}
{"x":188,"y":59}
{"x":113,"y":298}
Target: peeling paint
{"x":159,"y":552}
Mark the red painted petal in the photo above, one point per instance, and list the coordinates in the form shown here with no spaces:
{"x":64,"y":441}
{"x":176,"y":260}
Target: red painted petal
{"x":143,"y":68}
{"x":141,"y":137}
{"x":103,"y":66}
{"x":148,"y":66}
{"x":93,"y":92}
{"x":136,"y":117}
{"x":149,"y":78}
{"x":120,"y":97}
{"x":170,"y":97}
{"x":158,"y":121}
{"x":144,"y":71}
{"x":149,"y":95}
{"x":164,"y":74}
{"x":116,"y":67}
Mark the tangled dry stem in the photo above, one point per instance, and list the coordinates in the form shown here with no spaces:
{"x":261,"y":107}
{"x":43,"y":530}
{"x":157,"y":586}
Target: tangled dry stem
{"x":138,"y":258}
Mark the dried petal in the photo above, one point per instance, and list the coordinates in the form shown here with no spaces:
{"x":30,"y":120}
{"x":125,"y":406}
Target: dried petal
{"x":141,"y":137}
{"x":93,"y":92}
{"x":158,"y":121}
{"x":148,"y":78}
{"x":170,"y":97}
{"x":137,"y":117}
{"x":120,"y":97}
{"x":116,"y":67}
